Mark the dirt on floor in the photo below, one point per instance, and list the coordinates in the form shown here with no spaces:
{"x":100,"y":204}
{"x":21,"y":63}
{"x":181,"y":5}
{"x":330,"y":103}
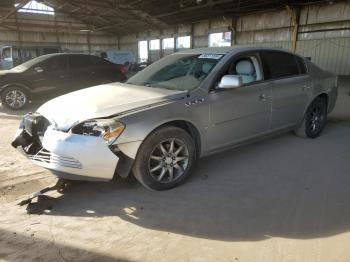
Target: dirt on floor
{"x":283,"y":199}
{"x":18,"y":176}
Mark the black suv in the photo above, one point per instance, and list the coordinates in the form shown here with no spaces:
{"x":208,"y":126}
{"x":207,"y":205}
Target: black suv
{"x":51,"y":75}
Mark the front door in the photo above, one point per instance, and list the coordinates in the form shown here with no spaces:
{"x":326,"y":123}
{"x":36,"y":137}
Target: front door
{"x":242,"y":113}
{"x":50,"y":78}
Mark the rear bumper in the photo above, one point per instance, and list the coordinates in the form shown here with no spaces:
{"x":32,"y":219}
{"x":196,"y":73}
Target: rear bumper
{"x":76,"y":156}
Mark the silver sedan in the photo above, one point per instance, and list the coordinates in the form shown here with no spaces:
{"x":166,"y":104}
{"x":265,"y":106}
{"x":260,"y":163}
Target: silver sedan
{"x":185,"y":106}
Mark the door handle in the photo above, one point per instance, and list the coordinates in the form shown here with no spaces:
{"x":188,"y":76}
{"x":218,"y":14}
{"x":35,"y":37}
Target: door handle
{"x":305,"y":87}
{"x":262,"y":97}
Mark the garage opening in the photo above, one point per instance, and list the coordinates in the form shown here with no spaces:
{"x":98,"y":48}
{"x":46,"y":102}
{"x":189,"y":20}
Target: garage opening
{"x":143,"y":51}
{"x":183,"y":42}
{"x":220,"y":39}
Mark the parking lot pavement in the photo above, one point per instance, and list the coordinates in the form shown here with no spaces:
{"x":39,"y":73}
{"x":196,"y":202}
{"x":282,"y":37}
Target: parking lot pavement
{"x":17,"y":114}
{"x":342,"y":108}
{"x":282,"y":199}
{"x":18,"y":176}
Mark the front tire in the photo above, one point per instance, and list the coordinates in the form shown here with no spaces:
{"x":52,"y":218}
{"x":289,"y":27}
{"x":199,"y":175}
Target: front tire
{"x":314,"y":120}
{"x":165,"y":158}
{"x":14,"y":98}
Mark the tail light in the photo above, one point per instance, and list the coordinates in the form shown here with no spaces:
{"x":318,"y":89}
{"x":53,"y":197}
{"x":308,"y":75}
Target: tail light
{"x":122,"y":70}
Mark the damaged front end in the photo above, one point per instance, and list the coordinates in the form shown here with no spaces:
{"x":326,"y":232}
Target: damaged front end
{"x":31,"y":130}
{"x":84,"y":152}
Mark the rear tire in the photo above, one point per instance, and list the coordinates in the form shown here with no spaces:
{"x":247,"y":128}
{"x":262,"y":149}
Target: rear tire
{"x":314,"y":120}
{"x":14,"y":98}
{"x":165,"y":158}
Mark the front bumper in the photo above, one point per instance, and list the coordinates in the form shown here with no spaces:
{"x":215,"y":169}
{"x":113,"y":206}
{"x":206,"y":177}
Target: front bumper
{"x":83,"y":157}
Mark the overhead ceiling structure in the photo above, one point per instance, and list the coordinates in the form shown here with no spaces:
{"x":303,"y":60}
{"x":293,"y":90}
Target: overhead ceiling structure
{"x":126,"y":16}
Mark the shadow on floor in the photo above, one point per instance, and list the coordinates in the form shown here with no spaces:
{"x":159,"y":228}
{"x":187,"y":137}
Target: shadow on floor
{"x":286,"y":187}
{"x":18,"y":247}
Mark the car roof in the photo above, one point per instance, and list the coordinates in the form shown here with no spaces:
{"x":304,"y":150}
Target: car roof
{"x":65,"y":54}
{"x":229,"y":49}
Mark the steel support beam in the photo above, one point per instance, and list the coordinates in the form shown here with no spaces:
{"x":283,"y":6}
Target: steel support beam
{"x":295,"y":17}
{"x":234,"y":31}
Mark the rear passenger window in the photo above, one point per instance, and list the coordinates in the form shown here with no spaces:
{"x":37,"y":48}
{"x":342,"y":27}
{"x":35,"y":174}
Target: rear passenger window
{"x":279,"y":64}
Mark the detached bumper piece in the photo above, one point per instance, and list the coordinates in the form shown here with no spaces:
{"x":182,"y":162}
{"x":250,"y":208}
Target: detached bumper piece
{"x":32,"y":127}
{"x":45,"y":202}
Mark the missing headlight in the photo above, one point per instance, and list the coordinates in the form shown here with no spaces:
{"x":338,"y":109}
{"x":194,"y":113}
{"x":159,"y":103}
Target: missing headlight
{"x":108,"y":129}
{"x":86,"y":128}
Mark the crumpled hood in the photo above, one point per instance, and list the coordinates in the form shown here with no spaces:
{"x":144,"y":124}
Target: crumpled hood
{"x":102,"y":101}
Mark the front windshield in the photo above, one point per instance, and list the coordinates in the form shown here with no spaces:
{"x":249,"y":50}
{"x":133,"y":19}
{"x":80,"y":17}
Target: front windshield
{"x":178,"y":71}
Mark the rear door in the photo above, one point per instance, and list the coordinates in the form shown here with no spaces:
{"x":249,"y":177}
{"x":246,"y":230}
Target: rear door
{"x":106,"y":71}
{"x":82,"y":71}
{"x":290,"y":87}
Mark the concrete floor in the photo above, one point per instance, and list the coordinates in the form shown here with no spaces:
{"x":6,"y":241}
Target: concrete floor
{"x":282,"y":199}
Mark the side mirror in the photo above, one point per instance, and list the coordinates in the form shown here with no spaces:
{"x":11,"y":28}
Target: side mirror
{"x":38,"y":69}
{"x":230,"y":82}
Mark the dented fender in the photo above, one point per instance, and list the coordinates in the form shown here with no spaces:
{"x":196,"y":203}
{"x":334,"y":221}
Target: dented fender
{"x":130,"y":149}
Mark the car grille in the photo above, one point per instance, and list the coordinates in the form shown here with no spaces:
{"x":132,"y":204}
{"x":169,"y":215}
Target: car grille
{"x":48,"y":157}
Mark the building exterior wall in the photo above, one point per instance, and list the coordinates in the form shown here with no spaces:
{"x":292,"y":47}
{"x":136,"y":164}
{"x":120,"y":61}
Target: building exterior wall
{"x":324,"y":33}
{"x":58,"y":30}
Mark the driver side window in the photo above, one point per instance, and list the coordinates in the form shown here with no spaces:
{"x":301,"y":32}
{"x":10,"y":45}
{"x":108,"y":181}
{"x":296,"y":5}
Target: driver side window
{"x":247,"y":67}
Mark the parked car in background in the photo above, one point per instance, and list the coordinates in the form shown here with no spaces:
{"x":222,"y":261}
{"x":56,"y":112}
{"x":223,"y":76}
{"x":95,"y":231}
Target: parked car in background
{"x":184,"y":106}
{"x":126,"y":58}
{"x":11,"y":56}
{"x":55,"y":74}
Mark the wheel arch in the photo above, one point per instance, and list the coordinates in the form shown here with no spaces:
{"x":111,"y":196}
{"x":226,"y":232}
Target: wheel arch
{"x":323,"y":96}
{"x":132,"y":149}
{"x":190,"y":128}
{"x":26,"y":88}
{"x":301,"y":126}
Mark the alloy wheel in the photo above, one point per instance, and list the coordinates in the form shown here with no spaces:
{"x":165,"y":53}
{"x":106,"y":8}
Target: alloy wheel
{"x":316,"y":119}
{"x":16,"y":98}
{"x":168,"y":160}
